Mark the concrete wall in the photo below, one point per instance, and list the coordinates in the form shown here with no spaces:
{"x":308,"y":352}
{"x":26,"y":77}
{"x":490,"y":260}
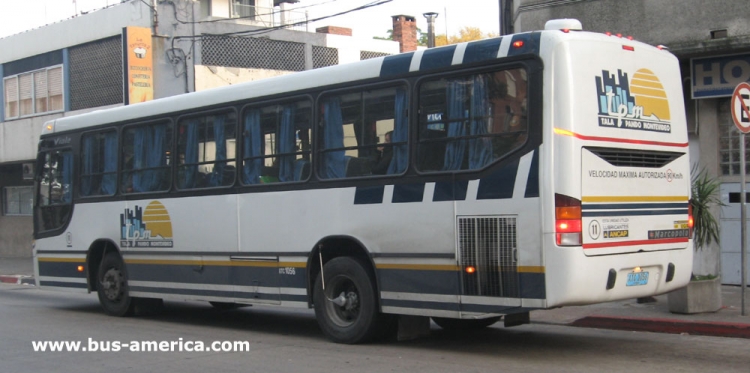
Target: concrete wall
{"x":207,"y":77}
{"x":651,"y":21}
{"x":15,"y":231}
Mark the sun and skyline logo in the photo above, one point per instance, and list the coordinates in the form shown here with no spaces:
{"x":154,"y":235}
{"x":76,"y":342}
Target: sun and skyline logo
{"x":637,"y":104}
{"x":149,"y":228}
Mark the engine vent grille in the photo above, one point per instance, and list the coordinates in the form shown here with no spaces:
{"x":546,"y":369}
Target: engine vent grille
{"x":489,"y":245}
{"x":635,"y":158}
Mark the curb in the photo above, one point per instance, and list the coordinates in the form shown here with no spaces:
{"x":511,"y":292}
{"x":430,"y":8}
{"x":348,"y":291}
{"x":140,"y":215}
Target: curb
{"x":17,"y":279}
{"x":672,"y":326}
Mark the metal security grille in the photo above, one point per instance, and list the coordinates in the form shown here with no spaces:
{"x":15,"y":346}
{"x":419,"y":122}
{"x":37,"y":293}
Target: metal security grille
{"x":488,"y":244}
{"x":635,"y":158}
{"x":323,"y":57}
{"x":253,"y":53}
{"x":366,"y":55}
{"x":96,"y":74}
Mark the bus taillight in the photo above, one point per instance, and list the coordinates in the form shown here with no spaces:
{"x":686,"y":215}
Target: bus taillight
{"x":691,"y":222}
{"x":567,"y":221}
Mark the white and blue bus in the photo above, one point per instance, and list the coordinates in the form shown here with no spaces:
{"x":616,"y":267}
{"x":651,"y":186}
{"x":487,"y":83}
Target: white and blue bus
{"x":466,"y":183}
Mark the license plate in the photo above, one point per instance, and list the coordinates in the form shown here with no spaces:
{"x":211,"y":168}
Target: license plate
{"x":637,"y":279}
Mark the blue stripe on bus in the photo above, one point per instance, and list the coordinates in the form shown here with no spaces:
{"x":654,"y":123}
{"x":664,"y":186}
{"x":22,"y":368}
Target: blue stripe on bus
{"x":436,"y":58}
{"x":419,"y":281}
{"x":500,"y":184}
{"x":60,"y":284}
{"x":532,"y":285}
{"x":420,"y":304}
{"x":482,"y":50}
{"x":633,"y":206}
{"x":530,"y":44}
{"x":450,"y":190}
{"x":633,"y":212}
{"x":396,"y":65}
{"x":369,"y":195}
{"x":216,"y":275}
{"x":404,"y":193}
{"x":532,"y":183}
{"x":61,"y":269}
{"x":486,"y":308}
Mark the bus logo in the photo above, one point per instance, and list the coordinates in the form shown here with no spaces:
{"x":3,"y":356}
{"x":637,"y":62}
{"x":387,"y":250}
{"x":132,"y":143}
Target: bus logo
{"x":149,"y":228}
{"x":639,"y":103}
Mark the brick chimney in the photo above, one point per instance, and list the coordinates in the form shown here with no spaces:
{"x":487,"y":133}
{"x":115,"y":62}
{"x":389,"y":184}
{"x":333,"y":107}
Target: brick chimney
{"x":405,"y":32}
{"x":334,"y":30}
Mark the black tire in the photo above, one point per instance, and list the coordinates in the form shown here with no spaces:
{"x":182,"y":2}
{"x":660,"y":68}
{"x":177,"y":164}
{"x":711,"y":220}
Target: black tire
{"x":358,"y":320}
{"x":112,"y":287}
{"x":464,"y":324}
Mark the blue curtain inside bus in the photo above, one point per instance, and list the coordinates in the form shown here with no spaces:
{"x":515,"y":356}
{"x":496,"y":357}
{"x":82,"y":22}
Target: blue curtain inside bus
{"x":149,"y":156}
{"x":400,"y":134}
{"x":87,"y":166}
{"x":190,"y":168}
{"x":220,"y":163}
{"x":287,"y":142}
{"x":109,"y":180}
{"x":480,"y":148}
{"x":251,"y":148}
{"x":334,"y":161}
{"x":456,"y":96}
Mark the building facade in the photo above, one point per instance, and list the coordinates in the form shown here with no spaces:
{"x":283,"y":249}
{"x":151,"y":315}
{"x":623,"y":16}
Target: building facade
{"x":712,"y":41}
{"x":81,"y":64}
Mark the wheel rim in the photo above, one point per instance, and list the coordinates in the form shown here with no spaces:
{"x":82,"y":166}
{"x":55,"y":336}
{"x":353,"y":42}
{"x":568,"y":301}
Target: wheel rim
{"x":345,"y":311}
{"x":113,"y":283}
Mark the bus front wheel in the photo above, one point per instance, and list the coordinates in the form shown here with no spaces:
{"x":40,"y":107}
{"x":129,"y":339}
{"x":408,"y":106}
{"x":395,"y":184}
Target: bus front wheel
{"x":112,"y":287}
{"x":347,"y":310}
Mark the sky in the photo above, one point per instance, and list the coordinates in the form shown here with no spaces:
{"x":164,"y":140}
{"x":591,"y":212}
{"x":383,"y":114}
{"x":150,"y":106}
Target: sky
{"x":21,"y":15}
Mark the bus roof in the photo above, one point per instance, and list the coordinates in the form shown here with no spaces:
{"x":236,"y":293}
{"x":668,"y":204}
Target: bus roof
{"x":383,"y":67}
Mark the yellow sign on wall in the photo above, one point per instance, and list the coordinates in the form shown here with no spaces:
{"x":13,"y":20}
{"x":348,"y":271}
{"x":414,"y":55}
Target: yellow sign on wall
{"x":139,"y":65}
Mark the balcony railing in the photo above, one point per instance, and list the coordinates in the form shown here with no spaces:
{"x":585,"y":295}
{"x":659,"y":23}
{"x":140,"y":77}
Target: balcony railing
{"x":270,"y":17}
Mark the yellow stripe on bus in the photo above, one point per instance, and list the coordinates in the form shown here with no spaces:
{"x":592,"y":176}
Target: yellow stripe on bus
{"x":634,"y":199}
{"x":62,"y":260}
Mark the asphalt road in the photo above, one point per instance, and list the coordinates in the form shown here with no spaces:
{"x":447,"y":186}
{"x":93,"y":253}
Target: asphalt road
{"x":290,"y":341}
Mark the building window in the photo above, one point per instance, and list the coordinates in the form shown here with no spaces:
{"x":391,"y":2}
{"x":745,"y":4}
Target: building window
{"x":34,"y":92}
{"x":18,"y":200}
{"x":729,"y":142}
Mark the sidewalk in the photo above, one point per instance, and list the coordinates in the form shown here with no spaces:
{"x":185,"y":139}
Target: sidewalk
{"x":620,"y":315}
{"x":17,"y":271}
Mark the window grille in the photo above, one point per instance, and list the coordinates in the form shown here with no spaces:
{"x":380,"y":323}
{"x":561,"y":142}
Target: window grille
{"x":257,"y":53}
{"x":96,"y":77}
{"x":366,"y":55}
{"x":323,"y":56}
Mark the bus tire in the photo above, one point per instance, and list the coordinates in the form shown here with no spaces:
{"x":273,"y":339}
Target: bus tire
{"x":112,"y":287}
{"x":355,"y":318}
{"x":464,"y":324}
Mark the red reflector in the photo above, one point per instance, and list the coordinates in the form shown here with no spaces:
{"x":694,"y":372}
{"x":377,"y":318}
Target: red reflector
{"x":630,"y":37}
{"x":608,"y":33}
{"x":619,"y":35}
{"x":518,"y":44}
{"x":628,"y":48}
{"x":565,"y":30}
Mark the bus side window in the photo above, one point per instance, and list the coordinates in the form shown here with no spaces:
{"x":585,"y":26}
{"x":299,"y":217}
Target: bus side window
{"x":145,"y":164}
{"x":353,"y":133}
{"x":276,"y":143}
{"x":98,"y":164}
{"x":468,"y":122}
{"x":206,"y":148}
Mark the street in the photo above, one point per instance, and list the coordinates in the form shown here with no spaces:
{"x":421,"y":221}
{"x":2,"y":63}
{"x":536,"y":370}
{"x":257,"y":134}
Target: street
{"x":287,"y":341}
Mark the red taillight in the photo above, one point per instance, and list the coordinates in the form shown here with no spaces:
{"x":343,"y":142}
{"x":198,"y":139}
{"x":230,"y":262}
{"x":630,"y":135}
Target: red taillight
{"x":518,"y":44}
{"x":691,"y":222}
{"x":628,"y":48}
{"x":568,"y":226}
{"x":565,"y":30}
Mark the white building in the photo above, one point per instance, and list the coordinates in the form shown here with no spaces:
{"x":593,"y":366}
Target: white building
{"x":76,"y":65}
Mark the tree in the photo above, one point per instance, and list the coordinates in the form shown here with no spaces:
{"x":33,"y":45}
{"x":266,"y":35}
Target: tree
{"x":467,"y":33}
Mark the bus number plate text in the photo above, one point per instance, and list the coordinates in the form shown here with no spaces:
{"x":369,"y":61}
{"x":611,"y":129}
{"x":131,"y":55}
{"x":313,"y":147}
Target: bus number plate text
{"x":637,"y":279}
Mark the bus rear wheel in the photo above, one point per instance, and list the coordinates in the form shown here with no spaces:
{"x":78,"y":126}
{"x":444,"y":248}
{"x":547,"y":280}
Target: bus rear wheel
{"x":464,"y":324}
{"x":112,"y":287}
{"x":347,"y":310}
